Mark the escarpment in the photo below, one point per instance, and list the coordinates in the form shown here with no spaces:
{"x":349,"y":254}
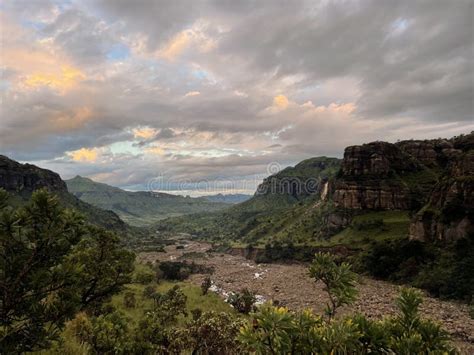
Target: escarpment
{"x":434,"y":179}
{"x":26,"y":178}
{"x":449,"y":213}
{"x":371,"y":177}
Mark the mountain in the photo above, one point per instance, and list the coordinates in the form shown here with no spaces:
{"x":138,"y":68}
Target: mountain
{"x":228,"y":198}
{"x":138,"y":208}
{"x":20,"y":180}
{"x":280,"y":202}
{"x":378,"y":191}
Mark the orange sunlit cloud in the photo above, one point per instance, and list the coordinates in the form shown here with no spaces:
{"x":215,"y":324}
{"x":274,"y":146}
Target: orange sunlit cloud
{"x":144,"y":133}
{"x":84,"y":154}
{"x":281,"y":102}
{"x":70,"y":121}
{"x":61,"y":80}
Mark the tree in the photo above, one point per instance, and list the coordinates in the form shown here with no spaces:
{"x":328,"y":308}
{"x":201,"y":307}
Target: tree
{"x":242,"y":302}
{"x":105,"y":266}
{"x":205,"y":285}
{"x":339,"y":281}
{"x":37,"y":288}
{"x":47,"y":267}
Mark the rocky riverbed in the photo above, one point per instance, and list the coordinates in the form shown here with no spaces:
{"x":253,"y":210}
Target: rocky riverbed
{"x":290,"y":285}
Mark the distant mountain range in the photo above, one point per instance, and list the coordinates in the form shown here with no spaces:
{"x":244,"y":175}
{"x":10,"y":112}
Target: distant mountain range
{"x":139,"y":208}
{"x":228,"y":198}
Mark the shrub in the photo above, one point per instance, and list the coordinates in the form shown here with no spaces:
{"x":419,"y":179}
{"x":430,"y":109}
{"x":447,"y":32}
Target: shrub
{"x":144,"y":275}
{"x":179,"y":270}
{"x":339,"y":281}
{"x":129,"y":300}
{"x":210,"y":333}
{"x":149,"y":291}
{"x":206,"y":284}
{"x":274,"y":330}
{"x":243,"y":302}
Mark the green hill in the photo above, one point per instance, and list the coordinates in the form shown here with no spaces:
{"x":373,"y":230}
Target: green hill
{"x":20,"y":180}
{"x":138,"y":208}
{"x":280,"y":204}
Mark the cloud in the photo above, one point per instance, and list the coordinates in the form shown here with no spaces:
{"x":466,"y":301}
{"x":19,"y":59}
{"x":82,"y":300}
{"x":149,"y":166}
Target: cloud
{"x":192,"y":93}
{"x":145,"y":132}
{"x":277,"y":81}
{"x":62,"y":80}
{"x":280,"y":102}
{"x":84,"y":155}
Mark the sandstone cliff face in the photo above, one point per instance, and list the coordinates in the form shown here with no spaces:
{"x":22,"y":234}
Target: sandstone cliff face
{"x":368,"y":178}
{"x":26,"y":178}
{"x":431,"y":153}
{"x":449,"y":214}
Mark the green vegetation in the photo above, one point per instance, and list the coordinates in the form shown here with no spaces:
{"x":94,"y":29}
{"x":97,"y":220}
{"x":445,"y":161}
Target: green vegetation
{"x":52,"y":265}
{"x":62,"y":268}
{"x":279,"y":331}
{"x":138,"y":208}
{"x":339,"y":281}
{"x":243,"y":301}
{"x":285,"y":204}
{"x":371,"y":226}
{"x":445,"y":270}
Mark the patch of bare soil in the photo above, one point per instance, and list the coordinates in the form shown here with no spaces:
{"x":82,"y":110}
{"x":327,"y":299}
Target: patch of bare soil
{"x":290,"y":285}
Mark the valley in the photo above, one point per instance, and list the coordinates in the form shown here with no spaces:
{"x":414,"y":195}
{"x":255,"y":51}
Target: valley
{"x":290,"y":286}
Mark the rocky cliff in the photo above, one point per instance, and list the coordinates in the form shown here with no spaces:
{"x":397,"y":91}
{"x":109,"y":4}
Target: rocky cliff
{"x":449,"y":213}
{"x":26,"y":178}
{"x":434,"y":177}
{"x":371,"y":177}
{"x":21,"y":180}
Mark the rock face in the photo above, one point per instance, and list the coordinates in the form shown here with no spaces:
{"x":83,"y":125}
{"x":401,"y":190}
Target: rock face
{"x":26,"y":178}
{"x":436,"y":153}
{"x":21,"y":180}
{"x":433,"y":177}
{"x":449,"y":214}
{"x":368,"y":178}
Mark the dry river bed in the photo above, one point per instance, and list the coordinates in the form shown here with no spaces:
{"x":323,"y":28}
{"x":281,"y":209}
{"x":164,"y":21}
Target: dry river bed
{"x":290,"y":285}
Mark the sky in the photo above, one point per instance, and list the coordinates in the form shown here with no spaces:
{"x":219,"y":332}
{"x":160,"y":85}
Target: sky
{"x":213,"y":96}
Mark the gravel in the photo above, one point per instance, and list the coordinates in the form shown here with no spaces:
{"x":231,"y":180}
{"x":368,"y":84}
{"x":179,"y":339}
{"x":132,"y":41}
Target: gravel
{"x":291,"y":286}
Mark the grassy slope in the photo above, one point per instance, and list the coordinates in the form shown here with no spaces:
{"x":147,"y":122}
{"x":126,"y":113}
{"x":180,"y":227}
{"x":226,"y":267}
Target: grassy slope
{"x":195,"y":299}
{"x":138,"y":208}
{"x":264,"y":215}
{"x":366,"y":227}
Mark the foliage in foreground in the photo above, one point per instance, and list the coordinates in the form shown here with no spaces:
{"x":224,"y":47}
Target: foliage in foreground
{"x":339,"y":281}
{"x":52,"y":265}
{"x":167,"y":327}
{"x":276,"y":330}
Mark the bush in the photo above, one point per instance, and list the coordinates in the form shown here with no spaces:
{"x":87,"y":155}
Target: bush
{"x":178,"y":270}
{"x":243,"y":302}
{"x":206,"y":284}
{"x":149,"y":291}
{"x":444,"y":270}
{"x":275,"y":330}
{"x":144,"y":275}
{"x":339,"y":281}
{"x":105,"y":334}
{"x":129,"y":300}
{"x":210,"y":333}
